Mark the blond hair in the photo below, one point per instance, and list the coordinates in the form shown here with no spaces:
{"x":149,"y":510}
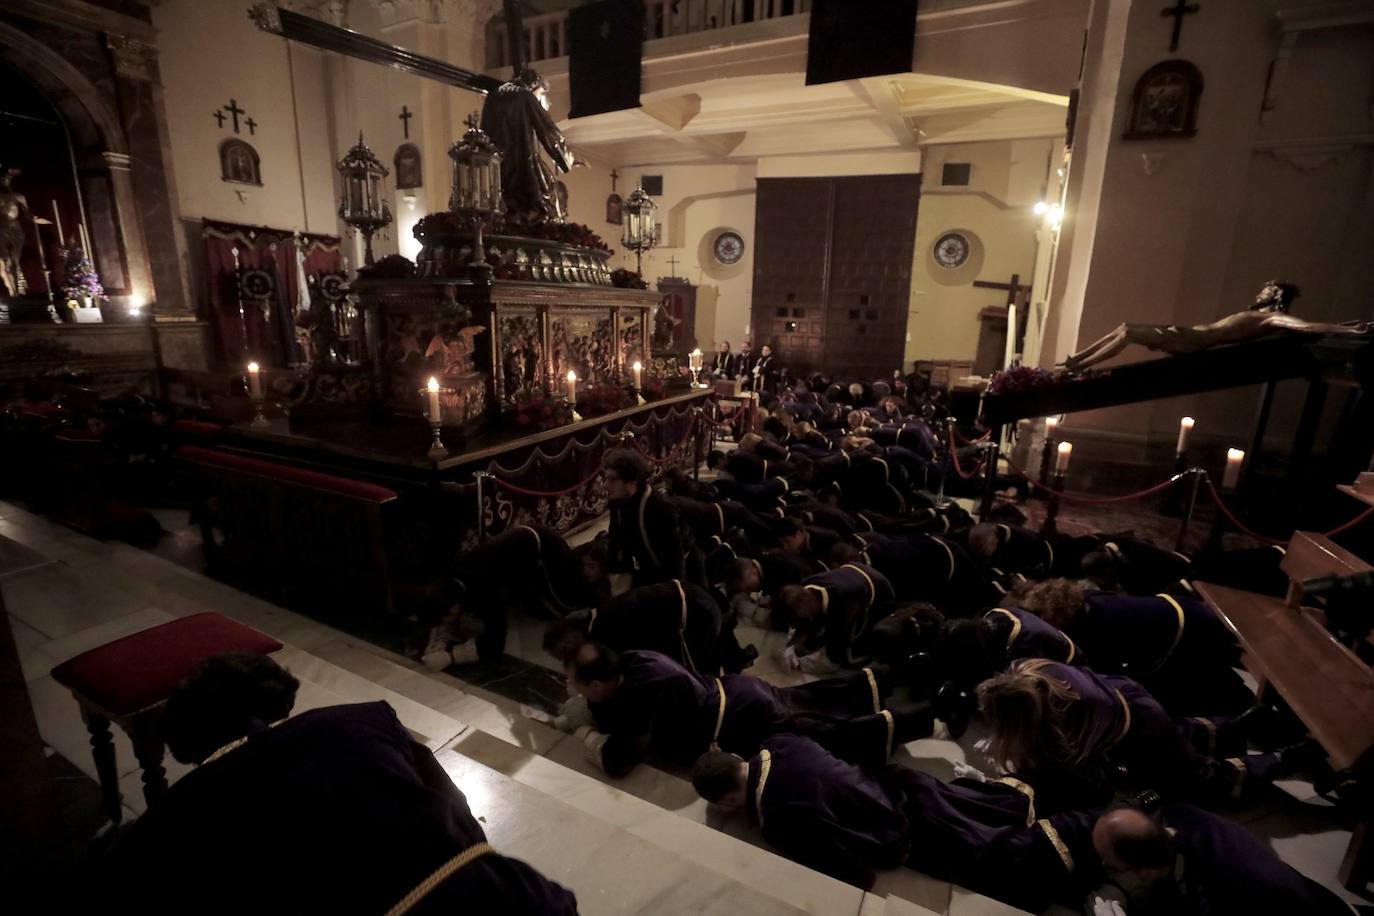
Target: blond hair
{"x":1032,"y":716}
{"x":1058,"y":602}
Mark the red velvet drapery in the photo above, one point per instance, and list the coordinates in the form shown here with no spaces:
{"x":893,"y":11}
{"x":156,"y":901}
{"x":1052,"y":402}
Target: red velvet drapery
{"x":260,"y":329}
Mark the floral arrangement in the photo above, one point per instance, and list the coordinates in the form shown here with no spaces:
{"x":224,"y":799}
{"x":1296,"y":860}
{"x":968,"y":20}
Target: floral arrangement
{"x":624,"y":278}
{"x":1020,"y":378}
{"x":652,"y":388}
{"x":603,"y":398}
{"x":535,"y":412}
{"x":567,"y":233}
{"x":81,"y":280}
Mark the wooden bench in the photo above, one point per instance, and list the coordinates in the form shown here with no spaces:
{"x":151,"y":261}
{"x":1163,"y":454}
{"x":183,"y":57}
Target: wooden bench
{"x":1288,"y":648}
{"x":318,"y":536}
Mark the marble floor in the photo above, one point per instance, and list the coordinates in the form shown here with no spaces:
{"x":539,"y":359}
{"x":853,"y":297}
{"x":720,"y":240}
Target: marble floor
{"x":643,"y":844}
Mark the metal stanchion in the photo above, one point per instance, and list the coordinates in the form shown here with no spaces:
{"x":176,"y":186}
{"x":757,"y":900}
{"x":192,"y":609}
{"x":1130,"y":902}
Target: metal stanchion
{"x":696,"y":443}
{"x":1189,"y":507}
{"x":992,"y":453}
{"x":480,"y":477}
{"x":1051,"y":527}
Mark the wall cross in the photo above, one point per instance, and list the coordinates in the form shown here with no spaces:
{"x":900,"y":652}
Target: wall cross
{"x":234,"y":112}
{"x":405,"y":116}
{"x":1180,"y":9}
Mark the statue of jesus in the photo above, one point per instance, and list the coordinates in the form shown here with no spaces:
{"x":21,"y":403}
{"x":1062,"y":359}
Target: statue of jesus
{"x":1267,"y":317}
{"x":13,"y":207}
{"x":516,"y":117}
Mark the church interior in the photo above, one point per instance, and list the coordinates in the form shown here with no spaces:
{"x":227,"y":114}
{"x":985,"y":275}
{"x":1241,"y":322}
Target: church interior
{"x":688,"y":456}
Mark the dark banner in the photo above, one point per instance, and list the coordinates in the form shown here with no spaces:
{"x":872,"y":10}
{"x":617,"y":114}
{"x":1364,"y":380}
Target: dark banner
{"x":851,"y":40}
{"x":605,"y":43}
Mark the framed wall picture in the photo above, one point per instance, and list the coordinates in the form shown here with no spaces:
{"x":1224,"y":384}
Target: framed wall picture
{"x":1165,"y":102}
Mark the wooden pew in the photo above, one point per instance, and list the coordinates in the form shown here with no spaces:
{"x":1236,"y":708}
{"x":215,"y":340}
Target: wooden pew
{"x":1288,"y":648}
{"x":317,"y":536}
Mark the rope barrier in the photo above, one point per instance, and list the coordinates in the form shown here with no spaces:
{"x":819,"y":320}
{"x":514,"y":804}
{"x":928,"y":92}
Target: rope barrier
{"x":962,"y":441}
{"x":1095,"y":500}
{"x":1352,"y":523}
{"x":954,"y":453}
{"x":691,"y":429}
{"x":550,"y":494}
{"x":1230,"y":516}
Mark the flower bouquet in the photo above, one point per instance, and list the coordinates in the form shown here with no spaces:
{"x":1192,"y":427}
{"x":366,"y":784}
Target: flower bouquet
{"x":624,"y":278}
{"x":603,"y":398}
{"x":535,"y":412}
{"x":1020,"y":378}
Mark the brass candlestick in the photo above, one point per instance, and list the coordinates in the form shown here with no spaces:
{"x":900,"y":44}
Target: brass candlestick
{"x":434,"y":413}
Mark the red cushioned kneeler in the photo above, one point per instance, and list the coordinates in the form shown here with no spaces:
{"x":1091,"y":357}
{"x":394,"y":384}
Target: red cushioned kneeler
{"x":128,"y":681}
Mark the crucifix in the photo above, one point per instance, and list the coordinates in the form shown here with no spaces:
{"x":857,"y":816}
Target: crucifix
{"x":252,"y":126}
{"x":614,"y":176}
{"x":219,"y":116}
{"x":405,"y":116}
{"x":1180,"y":9}
{"x":672,"y":266}
{"x":234,"y":112}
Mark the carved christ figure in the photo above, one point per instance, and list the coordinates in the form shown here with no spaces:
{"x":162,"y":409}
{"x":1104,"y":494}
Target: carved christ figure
{"x":1267,"y":317}
{"x":516,"y":117}
{"x":13,"y":207}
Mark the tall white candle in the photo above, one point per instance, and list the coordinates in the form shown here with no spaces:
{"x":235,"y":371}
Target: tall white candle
{"x":433,"y":399}
{"x":254,"y":382}
{"x":639,"y":375}
{"x":1061,"y":463}
{"x":1051,"y":427}
{"x":85,"y":239}
{"x":57,"y":217}
{"x":572,"y":387}
{"x":1185,"y":426}
{"x":1235,"y":458}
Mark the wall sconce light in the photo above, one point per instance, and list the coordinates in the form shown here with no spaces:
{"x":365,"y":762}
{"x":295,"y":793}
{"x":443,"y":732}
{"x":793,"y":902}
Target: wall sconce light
{"x":1053,"y":214}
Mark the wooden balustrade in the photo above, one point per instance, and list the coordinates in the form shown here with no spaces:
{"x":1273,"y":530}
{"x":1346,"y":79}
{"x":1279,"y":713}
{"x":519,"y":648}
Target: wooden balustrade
{"x":546,"y":35}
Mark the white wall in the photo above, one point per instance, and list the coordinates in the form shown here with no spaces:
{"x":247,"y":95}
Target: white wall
{"x":1186,"y":230}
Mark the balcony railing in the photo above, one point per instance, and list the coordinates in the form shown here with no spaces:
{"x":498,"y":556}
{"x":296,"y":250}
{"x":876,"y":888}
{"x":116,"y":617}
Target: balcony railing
{"x":546,"y":35}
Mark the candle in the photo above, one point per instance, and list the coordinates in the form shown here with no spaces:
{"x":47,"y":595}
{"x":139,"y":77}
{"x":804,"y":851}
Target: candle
{"x":572,"y":387}
{"x":433,"y":399}
{"x":1051,"y":427}
{"x":1185,"y":426}
{"x":639,"y":374}
{"x":85,"y":239}
{"x":1061,"y":464}
{"x":61,"y":239}
{"x":254,"y":382}
{"x":1234,"y":459}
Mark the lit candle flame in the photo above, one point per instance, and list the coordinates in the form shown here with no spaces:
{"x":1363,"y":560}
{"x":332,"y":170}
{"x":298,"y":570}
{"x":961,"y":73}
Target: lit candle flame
{"x":433,"y":383}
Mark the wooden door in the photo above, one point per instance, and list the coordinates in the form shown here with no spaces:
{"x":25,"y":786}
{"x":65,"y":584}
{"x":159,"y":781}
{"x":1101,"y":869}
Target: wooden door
{"x":832,"y":271}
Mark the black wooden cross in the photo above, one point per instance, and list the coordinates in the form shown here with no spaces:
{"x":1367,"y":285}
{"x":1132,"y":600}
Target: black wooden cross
{"x":672,"y":266}
{"x":1180,"y":9}
{"x":405,"y":116}
{"x":1015,"y":289}
{"x":234,"y":112}
{"x":252,"y":126}
{"x":614,"y":176}
{"x":219,"y":116}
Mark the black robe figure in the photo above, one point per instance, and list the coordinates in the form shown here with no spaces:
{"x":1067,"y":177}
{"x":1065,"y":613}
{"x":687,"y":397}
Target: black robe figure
{"x":678,"y":619}
{"x":515,"y":118}
{"x":647,"y":538}
{"x":361,"y":811}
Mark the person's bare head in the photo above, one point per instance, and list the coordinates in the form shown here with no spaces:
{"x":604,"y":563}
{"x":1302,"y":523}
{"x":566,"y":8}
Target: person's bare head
{"x":799,"y":603}
{"x":747,"y":346}
{"x":626,"y":473}
{"x":721,"y":778}
{"x":983,"y":539}
{"x":791,"y":535}
{"x":742,"y":576}
{"x":1058,"y":602}
{"x":749,"y":443}
{"x":1136,"y":849}
{"x":1027,"y":713}
{"x":594,"y":672}
{"x":725,"y":346}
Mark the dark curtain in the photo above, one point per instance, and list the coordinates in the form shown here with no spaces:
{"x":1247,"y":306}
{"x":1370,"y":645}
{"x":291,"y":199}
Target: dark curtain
{"x":266,"y":335}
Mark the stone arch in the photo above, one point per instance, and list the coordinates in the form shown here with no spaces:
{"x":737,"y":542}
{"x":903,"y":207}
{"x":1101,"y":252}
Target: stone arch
{"x":93,"y":124}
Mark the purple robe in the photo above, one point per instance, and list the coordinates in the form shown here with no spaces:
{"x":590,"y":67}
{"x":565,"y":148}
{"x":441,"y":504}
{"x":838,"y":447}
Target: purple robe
{"x":1027,"y":636}
{"x":359,"y":810}
{"x":1020,"y":550}
{"x":646,"y":537}
{"x":678,"y":619}
{"x":853,"y":598}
